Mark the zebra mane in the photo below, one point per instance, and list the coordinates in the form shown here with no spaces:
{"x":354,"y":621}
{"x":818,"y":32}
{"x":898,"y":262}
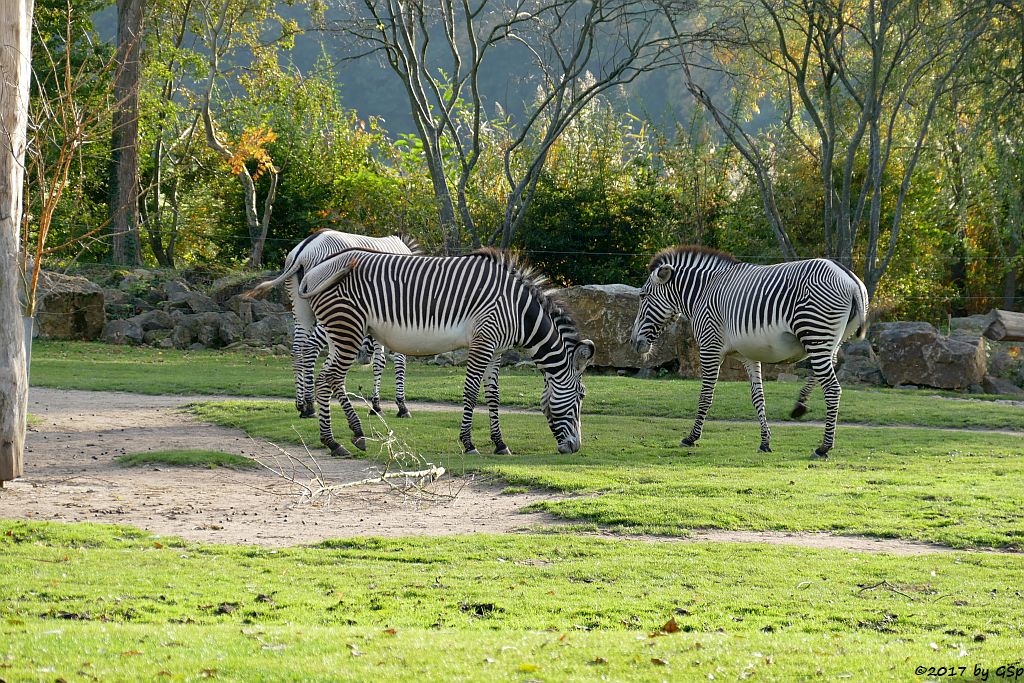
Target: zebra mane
{"x":692,"y":250}
{"x":539,"y":286}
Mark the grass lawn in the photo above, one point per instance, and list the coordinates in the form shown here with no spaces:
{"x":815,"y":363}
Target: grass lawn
{"x":113,"y":603}
{"x":962,"y":489}
{"x":187,"y":458}
{"x":80,"y":365}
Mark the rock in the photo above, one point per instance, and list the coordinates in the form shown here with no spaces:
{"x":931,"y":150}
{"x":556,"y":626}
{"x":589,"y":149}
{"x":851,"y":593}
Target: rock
{"x":181,"y":336}
{"x":448,"y":358}
{"x":787,"y":377}
{"x":154,"y":320}
{"x":859,"y":364}
{"x":972,"y":324}
{"x":1000,"y":385}
{"x":156,"y":337}
{"x":197,"y":302}
{"x":511,"y":357}
{"x":176,"y":290}
{"x":605,"y":314}
{"x":227,"y":288}
{"x":230,"y":328}
{"x":198,"y":346}
{"x":269,"y":331}
{"x":915,"y":353}
{"x":122,"y":332}
{"x":69,"y":307}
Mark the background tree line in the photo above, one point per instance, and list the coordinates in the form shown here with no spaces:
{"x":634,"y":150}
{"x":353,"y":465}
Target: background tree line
{"x":884,"y":133}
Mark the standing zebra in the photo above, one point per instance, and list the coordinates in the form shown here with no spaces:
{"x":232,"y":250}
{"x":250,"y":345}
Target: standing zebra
{"x":770,"y":314}
{"x":425,"y":305}
{"x":310,"y":338}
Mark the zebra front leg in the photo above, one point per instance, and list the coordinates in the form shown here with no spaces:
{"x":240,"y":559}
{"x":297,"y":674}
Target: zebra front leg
{"x":403,"y":411}
{"x":476,"y":365}
{"x":493,"y":395}
{"x":379,"y":361}
{"x":709,"y":366}
{"x":326,"y":383}
{"x":753,"y":368}
{"x":824,"y":370}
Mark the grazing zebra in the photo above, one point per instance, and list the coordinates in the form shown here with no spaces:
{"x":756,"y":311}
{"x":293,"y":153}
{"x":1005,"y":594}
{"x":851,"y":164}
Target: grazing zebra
{"x":309,"y":338}
{"x":770,"y":314}
{"x":423,"y":305}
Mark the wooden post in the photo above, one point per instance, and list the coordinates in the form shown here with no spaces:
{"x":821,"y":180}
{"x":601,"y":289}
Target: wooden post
{"x":15,"y":71}
{"x":1005,"y":326}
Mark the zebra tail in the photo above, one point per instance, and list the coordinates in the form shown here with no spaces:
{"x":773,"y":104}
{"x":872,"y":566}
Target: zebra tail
{"x":310,"y":288}
{"x":860,"y":309}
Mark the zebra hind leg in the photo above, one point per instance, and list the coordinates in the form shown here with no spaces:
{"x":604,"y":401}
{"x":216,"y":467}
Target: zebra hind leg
{"x":800,"y":409}
{"x":403,"y":411}
{"x":325,"y":387}
{"x":493,"y":396}
{"x":824,"y":370}
{"x":379,"y":361}
{"x":477,"y":363}
{"x":753,"y":368}
{"x":303,"y":399}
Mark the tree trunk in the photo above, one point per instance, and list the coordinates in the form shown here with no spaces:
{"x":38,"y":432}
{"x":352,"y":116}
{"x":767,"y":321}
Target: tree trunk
{"x":15,"y":72}
{"x":124,"y":209}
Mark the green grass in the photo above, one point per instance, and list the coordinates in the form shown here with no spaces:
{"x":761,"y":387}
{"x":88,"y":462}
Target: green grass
{"x":187,"y":458}
{"x":961,"y":489}
{"x":79,"y":365}
{"x":113,"y":603}
{"x":33,"y":420}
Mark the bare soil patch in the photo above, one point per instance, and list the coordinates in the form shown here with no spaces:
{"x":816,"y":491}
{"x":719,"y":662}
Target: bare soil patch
{"x":71,"y":476}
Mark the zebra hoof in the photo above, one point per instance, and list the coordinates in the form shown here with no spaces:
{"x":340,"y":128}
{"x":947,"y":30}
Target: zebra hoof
{"x":819,"y":455}
{"x":359,"y":442}
{"x":502,"y":450}
{"x":765,"y":448}
{"x":340,"y":451}
{"x":375,"y":410}
{"x":799,"y":410}
{"x":472,"y":451}
{"x":307,"y":414}
{"x":403,"y":412}
{"x":687,"y":443}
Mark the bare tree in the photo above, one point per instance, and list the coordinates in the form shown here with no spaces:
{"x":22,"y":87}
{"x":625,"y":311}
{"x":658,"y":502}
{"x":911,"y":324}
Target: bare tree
{"x":126,"y":246}
{"x":865,"y":77}
{"x":15,"y":74}
{"x":220,"y":22}
{"x":572,"y":50}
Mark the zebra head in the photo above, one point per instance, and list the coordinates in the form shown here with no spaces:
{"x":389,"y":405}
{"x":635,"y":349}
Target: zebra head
{"x":562,"y":398}
{"x":657,"y":305}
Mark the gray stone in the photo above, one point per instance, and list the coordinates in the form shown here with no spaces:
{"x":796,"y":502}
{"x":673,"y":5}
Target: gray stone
{"x":605,"y":314}
{"x":788,"y":377}
{"x":268,"y":331}
{"x":69,"y":307}
{"x":973,"y":324}
{"x":915,"y":353}
{"x":122,"y":332}
{"x":154,"y":320}
{"x":230,"y":328}
{"x":156,"y":337}
{"x":176,"y":290}
{"x":182,"y":336}
{"x":227,"y":288}
{"x":858,"y":364}
{"x":198,"y":346}
{"x":197,"y":302}
{"x":1000,"y":385}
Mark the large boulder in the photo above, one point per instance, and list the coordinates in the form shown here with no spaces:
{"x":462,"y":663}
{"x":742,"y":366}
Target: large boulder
{"x":915,"y":353}
{"x":228,"y":287}
{"x":605,"y":314}
{"x":859,"y":364}
{"x":126,"y":331}
{"x":269,"y":331}
{"x":69,"y":307}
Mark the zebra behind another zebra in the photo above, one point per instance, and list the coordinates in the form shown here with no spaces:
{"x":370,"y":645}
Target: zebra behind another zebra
{"x":309,"y":338}
{"x":424,"y":305}
{"x":772,"y":314}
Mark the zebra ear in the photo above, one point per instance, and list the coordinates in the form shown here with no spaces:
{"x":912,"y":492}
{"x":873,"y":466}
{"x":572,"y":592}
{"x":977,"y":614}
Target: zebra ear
{"x":583,"y":354}
{"x":663,"y":273}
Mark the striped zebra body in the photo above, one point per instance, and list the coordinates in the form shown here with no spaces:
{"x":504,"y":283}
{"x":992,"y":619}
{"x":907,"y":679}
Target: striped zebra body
{"x":309,"y":339}
{"x":485,"y":301}
{"x":775,"y":313}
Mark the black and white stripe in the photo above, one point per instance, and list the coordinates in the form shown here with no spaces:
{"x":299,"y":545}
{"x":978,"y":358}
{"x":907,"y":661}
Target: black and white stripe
{"x":309,"y":339}
{"x":419,"y":305}
{"x":775,"y":313}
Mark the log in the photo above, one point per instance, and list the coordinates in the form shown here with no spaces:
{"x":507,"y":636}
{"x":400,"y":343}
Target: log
{"x":1005,"y":326}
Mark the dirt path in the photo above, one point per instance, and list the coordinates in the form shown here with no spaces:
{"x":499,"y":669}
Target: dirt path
{"x":71,"y":476}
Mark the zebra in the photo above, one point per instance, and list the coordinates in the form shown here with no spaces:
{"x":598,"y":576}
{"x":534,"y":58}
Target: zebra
{"x":487,"y":301}
{"x":774,"y":313}
{"x":309,"y":338}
